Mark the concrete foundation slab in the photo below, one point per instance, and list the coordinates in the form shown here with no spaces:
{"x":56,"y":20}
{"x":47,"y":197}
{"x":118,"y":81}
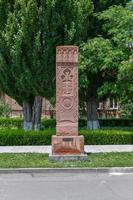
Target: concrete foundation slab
{"x":62,"y":158}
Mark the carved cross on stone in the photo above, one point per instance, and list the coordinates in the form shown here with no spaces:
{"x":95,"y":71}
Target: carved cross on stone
{"x":67,"y":141}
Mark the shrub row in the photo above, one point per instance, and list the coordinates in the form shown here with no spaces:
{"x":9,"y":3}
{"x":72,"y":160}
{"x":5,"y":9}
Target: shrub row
{"x":102,"y":137}
{"x":20,"y":137}
{"x":18,"y":123}
{"x":51,"y":123}
{"x":110,"y":122}
{"x":116,"y":122}
{"x":11,"y":122}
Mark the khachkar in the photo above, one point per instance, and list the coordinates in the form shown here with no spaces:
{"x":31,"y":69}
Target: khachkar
{"x":67,"y":145}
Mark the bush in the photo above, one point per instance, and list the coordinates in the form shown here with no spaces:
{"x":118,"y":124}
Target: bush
{"x":48,"y":123}
{"x":126,"y":107}
{"x":116,"y":122}
{"x":17,"y":123}
{"x":11,"y":123}
{"x":5,"y":110}
{"x":102,"y":137}
{"x":110,"y":122}
{"x":20,"y":137}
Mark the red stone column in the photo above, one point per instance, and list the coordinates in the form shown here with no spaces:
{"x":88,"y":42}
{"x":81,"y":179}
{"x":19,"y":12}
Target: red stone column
{"x":67,"y":141}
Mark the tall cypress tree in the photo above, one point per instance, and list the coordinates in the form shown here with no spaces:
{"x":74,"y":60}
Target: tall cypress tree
{"x":30,"y":32}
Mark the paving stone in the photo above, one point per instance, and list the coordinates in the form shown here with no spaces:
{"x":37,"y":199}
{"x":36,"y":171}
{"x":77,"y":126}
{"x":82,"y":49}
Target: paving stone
{"x":47,"y":149}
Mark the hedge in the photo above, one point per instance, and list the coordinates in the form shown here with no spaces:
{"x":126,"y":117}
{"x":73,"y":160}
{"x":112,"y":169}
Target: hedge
{"x":11,"y":122}
{"x":116,"y":122}
{"x":18,"y":123}
{"x":110,"y":122}
{"x":102,"y":137}
{"x":20,"y":137}
{"x":51,"y":123}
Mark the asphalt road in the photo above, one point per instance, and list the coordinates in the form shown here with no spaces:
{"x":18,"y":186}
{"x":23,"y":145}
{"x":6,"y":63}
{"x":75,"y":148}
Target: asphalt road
{"x":66,"y":186}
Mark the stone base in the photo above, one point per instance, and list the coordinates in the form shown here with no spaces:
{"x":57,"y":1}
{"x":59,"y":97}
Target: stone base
{"x":62,"y":158}
{"x":67,"y":145}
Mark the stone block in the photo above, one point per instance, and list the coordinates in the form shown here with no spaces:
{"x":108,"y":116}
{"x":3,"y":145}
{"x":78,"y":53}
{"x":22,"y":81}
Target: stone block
{"x":63,"y":158}
{"x":67,"y":129}
{"x":67,"y":145}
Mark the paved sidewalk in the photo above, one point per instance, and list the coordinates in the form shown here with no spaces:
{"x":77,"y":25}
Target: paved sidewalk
{"x":47,"y":149}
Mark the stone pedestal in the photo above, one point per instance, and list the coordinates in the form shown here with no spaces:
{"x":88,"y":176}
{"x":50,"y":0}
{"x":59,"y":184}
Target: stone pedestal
{"x":67,"y":145}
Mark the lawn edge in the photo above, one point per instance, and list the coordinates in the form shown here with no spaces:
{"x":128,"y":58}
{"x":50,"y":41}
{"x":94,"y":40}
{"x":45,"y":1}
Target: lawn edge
{"x":109,"y":170}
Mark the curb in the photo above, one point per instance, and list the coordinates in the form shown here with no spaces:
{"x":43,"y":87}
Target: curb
{"x":67,"y":170}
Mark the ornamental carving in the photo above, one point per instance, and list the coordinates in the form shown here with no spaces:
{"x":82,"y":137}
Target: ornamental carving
{"x":67,"y":84}
{"x":67,"y":54}
{"x":67,"y":141}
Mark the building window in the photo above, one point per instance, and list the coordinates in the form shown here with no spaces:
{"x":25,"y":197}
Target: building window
{"x":113,"y":104}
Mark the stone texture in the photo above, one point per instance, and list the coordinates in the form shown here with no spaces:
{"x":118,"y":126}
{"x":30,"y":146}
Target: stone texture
{"x":67,"y":142}
{"x":47,"y":149}
{"x":65,"y":128}
{"x":68,"y":157}
{"x":67,"y":90}
{"x":67,"y":145}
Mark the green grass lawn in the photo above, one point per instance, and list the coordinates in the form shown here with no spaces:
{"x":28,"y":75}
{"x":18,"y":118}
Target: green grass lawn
{"x":42,"y":161}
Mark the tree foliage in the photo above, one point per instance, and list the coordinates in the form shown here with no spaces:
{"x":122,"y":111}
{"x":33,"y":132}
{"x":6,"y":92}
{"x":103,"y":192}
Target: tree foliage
{"x":5,"y":110}
{"x":101,"y":5}
{"x":118,"y":24}
{"x":102,"y":57}
{"x":30,"y":31}
{"x":99,"y":65}
{"x":125,"y":79}
{"x":118,"y":27}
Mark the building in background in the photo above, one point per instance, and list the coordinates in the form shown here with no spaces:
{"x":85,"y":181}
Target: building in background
{"x":17,"y":111}
{"x":107,"y":109}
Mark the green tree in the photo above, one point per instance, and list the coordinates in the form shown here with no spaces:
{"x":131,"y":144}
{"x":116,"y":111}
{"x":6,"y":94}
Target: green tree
{"x":95,"y":27}
{"x":99,"y":65}
{"x":5,"y":110}
{"x":118,"y":26}
{"x":101,"y":59}
{"x":101,"y":5}
{"x":30,"y":32}
{"x":125,"y":80}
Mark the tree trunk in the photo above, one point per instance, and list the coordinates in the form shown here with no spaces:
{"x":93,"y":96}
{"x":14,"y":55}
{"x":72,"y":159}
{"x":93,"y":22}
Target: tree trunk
{"x":92,"y":115}
{"x":36,"y":116}
{"x":51,"y":112}
{"x":27,"y":112}
{"x":32,"y":114}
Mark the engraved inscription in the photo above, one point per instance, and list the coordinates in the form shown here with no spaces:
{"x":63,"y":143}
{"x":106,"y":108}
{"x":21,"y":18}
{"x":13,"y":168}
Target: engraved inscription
{"x":67,"y":139}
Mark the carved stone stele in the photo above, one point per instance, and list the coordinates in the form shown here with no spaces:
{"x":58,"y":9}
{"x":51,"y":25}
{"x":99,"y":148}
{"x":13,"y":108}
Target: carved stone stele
{"x":67,"y":141}
{"x":67,"y":90}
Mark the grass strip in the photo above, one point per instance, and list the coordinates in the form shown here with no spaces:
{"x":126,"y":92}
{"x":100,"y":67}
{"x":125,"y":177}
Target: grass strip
{"x":41,"y":161}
